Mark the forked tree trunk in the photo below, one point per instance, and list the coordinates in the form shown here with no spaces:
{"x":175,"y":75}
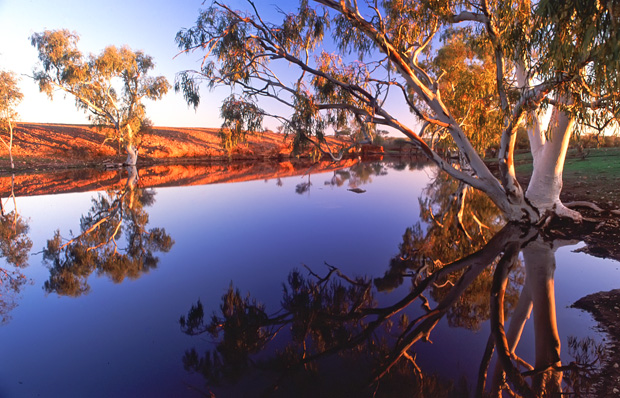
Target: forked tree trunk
{"x":549,"y":153}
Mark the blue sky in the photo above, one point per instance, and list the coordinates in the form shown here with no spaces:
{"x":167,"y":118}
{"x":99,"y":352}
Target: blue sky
{"x":148,"y":26}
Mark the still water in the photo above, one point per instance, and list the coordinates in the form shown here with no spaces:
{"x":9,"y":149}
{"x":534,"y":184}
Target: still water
{"x":100,"y":316}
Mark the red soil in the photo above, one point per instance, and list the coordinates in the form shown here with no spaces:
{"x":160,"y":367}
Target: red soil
{"x":46,"y":146}
{"x":54,"y":158}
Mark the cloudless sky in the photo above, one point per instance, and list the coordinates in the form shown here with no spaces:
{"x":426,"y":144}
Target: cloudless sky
{"x":149,"y":26}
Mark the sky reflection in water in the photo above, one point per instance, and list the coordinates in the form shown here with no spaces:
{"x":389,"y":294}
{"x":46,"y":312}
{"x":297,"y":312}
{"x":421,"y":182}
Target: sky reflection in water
{"x":124,"y":339}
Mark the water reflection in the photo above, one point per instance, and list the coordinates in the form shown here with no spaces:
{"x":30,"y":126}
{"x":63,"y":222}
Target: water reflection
{"x":15,"y":246}
{"x":335,"y":335}
{"x":455,"y":221}
{"x":99,"y":248}
{"x":362,"y":173}
{"x":358,"y":174}
{"x":332,"y":323}
{"x":331,"y":337}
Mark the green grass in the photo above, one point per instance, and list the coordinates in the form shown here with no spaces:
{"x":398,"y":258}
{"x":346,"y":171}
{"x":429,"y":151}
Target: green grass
{"x":602,"y":162}
{"x":594,"y":178}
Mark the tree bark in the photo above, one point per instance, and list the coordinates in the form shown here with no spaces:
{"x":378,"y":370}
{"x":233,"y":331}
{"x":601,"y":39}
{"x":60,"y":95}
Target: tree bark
{"x":548,"y":153}
{"x":131,"y":148}
{"x":132,"y":155}
{"x":546,"y":183}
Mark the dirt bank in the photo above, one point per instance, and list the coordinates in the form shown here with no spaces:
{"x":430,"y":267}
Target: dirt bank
{"x":39,"y":147}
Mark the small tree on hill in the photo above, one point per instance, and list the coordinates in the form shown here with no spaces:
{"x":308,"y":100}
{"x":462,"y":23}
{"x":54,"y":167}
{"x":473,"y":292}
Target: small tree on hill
{"x":109,"y":87}
{"x":10,"y":96}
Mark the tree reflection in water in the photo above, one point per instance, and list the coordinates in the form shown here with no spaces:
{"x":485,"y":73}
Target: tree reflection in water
{"x":341,"y":343}
{"x":97,"y":247}
{"x":362,"y":173}
{"x":331,"y":338}
{"x":454,"y":222}
{"x":14,"y":248}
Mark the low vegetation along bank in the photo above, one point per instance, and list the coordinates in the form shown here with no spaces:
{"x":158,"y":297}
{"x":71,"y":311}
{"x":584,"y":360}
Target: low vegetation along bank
{"x":52,"y":146}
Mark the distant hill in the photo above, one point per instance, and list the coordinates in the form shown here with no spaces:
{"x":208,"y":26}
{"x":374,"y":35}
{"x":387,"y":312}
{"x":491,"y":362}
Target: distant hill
{"x":49,"y":146}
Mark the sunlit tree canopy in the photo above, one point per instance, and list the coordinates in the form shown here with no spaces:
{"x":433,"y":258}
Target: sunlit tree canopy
{"x":109,"y":87}
{"x":471,"y":73}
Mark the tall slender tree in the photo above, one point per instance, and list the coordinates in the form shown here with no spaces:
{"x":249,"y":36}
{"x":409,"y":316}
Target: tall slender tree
{"x":547,"y":56}
{"x":10,"y":96}
{"x":109,"y":87}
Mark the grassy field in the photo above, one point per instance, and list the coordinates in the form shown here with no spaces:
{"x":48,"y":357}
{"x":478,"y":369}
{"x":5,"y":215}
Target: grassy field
{"x":595,"y":177}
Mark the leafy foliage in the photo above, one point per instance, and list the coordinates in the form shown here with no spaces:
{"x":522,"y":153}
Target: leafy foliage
{"x":239,"y":118}
{"x":468,"y":87}
{"x":582,"y":39}
{"x":10,"y":97}
{"x":109,"y":87}
{"x":494,"y":74}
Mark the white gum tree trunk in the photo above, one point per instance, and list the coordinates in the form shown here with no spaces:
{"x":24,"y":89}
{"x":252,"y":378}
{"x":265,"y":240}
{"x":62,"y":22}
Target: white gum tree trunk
{"x":131,"y":149}
{"x":548,"y":153}
{"x":132,"y":155}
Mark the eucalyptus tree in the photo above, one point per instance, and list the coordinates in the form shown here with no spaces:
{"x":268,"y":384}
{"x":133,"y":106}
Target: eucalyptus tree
{"x":10,"y":96}
{"x":547,"y":57}
{"x":109,"y":87}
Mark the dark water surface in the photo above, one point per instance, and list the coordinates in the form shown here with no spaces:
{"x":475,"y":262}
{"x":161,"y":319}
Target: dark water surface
{"x":92,"y":324}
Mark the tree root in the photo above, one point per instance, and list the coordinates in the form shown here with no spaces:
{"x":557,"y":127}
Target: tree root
{"x":590,"y":205}
{"x":562,"y":211}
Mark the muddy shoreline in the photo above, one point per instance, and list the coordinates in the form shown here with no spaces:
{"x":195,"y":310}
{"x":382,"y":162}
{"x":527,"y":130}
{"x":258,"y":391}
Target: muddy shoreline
{"x":600,"y":231}
{"x":605,"y":308}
